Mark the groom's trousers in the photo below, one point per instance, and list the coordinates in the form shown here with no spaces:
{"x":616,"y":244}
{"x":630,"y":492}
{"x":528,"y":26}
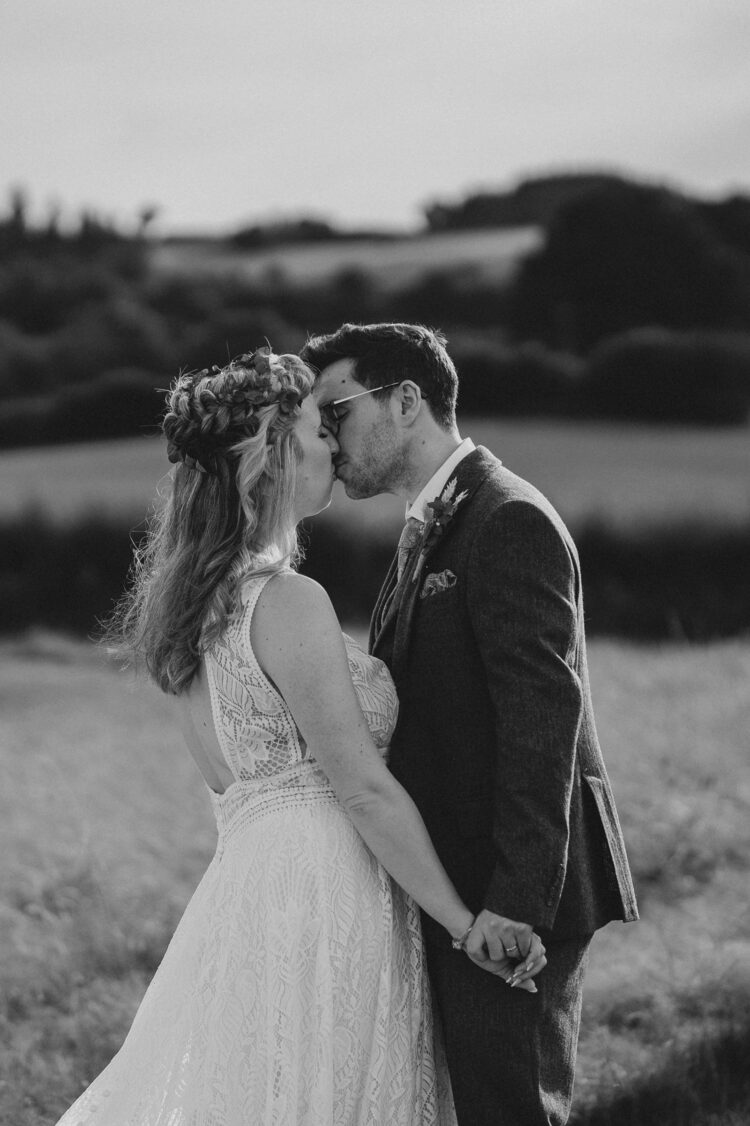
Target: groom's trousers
{"x":511,"y":1054}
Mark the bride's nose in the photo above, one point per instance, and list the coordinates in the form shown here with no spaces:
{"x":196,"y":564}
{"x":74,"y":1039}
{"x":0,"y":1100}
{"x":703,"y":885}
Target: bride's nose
{"x":331,"y":442}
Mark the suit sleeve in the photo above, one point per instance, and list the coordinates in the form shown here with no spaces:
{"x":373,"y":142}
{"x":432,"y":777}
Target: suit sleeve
{"x":522,"y":603}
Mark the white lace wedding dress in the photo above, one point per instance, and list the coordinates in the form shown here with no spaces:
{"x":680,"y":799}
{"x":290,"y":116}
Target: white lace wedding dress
{"x":294,"y":991}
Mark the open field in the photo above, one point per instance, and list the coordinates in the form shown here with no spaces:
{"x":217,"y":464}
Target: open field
{"x":624,"y":474}
{"x":392,"y":262}
{"x":106,"y":829}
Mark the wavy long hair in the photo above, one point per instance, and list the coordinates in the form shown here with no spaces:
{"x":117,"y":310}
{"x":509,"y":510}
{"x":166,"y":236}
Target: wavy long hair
{"x":229,"y":513}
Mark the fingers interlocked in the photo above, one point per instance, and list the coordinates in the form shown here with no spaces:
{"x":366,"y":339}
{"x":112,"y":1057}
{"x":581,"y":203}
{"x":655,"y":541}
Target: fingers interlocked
{"x":509,"y":949}
{"x":503,"y":938}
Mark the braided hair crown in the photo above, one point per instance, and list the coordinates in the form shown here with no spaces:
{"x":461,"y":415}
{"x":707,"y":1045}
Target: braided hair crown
{"x":210,"y":411}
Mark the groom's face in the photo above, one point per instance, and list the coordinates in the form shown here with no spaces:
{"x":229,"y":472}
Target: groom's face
{"x":370,"y":458}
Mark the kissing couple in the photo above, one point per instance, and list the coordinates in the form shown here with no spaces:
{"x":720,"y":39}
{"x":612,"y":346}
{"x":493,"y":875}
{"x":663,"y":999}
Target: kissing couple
{"x":415,"y":844}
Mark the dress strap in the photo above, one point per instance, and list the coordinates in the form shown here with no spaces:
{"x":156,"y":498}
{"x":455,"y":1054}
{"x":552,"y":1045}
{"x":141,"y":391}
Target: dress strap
{"x":250,"y":591}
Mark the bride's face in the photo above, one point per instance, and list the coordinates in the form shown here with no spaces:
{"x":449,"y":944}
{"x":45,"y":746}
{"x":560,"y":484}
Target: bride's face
{"x":315,"y":471}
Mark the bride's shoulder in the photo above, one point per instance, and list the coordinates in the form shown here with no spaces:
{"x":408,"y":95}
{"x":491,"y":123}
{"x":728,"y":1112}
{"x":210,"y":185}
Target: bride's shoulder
{"x":295,"y":634}
{"x":292,"y":605}
{"x":289,"y":588}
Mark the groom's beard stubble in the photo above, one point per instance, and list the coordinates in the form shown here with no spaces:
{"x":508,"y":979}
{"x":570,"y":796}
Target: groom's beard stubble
{"x":378,"y":466}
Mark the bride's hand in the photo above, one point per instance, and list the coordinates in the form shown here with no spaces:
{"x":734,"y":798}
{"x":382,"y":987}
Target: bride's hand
{"x":518,"y":971}
{"x":517,"y":975}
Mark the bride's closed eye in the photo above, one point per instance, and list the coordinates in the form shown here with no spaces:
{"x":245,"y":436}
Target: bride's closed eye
{"x":321,"y":429}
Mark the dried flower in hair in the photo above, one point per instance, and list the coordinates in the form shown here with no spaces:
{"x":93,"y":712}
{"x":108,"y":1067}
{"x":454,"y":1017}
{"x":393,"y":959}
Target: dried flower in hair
{"x":213,"y":409}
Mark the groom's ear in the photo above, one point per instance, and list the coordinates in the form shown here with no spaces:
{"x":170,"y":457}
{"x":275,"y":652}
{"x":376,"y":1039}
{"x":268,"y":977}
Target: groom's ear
{"x":409,"y":399}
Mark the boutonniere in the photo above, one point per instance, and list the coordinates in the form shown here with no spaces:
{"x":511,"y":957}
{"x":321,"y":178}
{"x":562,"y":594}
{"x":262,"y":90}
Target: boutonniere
{"x":443,"y":509}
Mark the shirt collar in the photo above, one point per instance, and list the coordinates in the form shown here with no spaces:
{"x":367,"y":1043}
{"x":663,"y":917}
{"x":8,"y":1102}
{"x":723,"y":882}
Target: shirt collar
{"x":434,"y":487}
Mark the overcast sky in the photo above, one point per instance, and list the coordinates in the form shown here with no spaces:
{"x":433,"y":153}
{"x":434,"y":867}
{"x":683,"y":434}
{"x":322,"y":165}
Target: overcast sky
{"x":361,"y":111}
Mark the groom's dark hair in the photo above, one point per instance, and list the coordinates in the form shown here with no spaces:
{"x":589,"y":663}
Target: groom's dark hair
{"x":386,"y":352}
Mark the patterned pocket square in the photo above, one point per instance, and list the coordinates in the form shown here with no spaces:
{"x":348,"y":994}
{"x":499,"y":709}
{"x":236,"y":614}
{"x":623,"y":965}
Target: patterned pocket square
{"x":436,"y":583}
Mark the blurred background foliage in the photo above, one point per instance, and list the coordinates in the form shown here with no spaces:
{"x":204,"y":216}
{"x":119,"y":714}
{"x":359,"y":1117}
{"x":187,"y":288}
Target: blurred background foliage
{"x":601,"y":329}
{"x":630,"y":304}
{"x":564,"y":333}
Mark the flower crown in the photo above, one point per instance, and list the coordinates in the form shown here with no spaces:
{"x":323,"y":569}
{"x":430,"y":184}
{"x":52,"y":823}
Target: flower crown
{"x":201,"y":425}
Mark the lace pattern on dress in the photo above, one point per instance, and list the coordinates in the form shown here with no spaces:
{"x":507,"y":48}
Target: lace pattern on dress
{"x":375,"y":692}
{"x":254,"y":726}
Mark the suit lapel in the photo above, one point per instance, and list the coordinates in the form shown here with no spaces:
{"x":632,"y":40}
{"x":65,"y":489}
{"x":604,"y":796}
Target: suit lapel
{"x":404,"y":608}
{"x":470,"y":473}
{"x":383,"y":604}
{"x":390,"y":600}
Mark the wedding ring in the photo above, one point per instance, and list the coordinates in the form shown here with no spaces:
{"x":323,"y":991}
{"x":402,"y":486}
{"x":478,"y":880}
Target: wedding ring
{"x":510,"y":949}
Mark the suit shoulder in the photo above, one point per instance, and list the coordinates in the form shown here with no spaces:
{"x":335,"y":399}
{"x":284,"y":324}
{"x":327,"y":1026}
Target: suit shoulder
{"x":504,"y":496}
{"x":512,"y":521}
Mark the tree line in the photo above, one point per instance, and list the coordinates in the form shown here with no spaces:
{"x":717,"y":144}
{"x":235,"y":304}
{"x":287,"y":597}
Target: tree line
{"x":635,"y":307}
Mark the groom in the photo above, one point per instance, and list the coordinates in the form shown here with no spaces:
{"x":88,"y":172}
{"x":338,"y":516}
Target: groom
{"x":480,"y":620}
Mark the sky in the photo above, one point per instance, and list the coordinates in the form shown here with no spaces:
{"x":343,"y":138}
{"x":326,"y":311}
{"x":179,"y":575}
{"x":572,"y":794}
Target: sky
{"x":229,"y":112}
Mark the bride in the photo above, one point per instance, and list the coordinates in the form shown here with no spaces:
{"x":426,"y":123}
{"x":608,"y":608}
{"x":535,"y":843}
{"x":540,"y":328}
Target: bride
{"x":294,"y":989}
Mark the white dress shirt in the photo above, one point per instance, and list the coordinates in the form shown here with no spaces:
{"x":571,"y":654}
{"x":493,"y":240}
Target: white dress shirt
{"x":434,"y":487}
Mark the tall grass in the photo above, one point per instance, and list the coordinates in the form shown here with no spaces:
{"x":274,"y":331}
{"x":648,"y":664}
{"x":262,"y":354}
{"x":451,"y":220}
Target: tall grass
{"x":106,"y":830}
{"x":666,"y":1025}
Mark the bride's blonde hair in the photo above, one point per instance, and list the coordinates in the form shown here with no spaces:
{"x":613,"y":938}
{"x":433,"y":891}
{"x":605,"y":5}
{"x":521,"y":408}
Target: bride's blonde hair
{"x":229,"y":513}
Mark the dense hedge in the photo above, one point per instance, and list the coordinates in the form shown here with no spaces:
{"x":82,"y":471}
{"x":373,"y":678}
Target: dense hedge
{"x":495,"y":380}
{"x":61,"y":576}
{"x":646,"y":375}
{"x":688,"y":582}
{"x":120,"y":403}
{"x":653,"y":375}
{"x":528,"y":379}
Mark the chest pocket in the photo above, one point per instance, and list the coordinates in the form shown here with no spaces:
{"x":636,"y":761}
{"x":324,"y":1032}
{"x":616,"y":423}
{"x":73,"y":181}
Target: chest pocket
{"x":437,"y":584}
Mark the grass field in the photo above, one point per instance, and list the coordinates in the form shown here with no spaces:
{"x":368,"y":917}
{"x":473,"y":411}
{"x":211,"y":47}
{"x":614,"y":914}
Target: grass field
{"x":620,"y":473}
{"x":105,"y":829}
{"x":493,"y":253}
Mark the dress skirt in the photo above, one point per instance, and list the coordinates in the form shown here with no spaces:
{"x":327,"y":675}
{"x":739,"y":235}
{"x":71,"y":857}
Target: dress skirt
{"x":293,"y":992}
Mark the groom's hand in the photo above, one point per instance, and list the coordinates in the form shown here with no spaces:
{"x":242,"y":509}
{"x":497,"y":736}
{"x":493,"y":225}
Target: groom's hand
{"x":506,"y":947}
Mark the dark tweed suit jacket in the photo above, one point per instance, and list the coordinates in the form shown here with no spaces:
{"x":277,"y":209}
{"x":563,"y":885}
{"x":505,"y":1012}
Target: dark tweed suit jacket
{"x":496,"y":740}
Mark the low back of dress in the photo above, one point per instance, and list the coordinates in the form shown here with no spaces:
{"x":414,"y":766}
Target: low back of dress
{"x":268,"y":759}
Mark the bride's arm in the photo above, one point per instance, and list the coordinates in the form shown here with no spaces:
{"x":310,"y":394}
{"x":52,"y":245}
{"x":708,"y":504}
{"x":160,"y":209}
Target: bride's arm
{"x":297,"y":640}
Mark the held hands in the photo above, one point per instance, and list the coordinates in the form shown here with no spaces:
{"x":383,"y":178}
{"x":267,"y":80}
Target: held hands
{"x":507,"y":948}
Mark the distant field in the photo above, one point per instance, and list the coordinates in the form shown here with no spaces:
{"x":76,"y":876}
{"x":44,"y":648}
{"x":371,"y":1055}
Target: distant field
{"x":621,"y":473}
{"x":105,"y":828}
{"x":495,"y":253}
